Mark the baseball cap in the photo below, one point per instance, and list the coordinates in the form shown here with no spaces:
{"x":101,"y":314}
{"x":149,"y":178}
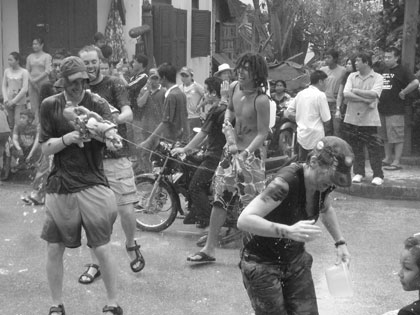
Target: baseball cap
{"x":186,"y":70}
{"x":336,"y":152}
{"x":221,"y":68}
{"x":73,"y":68}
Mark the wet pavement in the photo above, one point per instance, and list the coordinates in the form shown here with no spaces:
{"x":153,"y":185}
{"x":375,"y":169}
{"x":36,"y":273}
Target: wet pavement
{"x":374,"y":230}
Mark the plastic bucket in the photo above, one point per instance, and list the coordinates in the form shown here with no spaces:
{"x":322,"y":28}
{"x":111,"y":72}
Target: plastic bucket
{"x":339,"y":281}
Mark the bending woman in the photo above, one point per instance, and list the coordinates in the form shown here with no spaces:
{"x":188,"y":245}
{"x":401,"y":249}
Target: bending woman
{"x":276,"y":269}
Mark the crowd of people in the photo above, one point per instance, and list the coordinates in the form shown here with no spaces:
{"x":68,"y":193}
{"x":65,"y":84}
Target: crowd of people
{"x":91,"y":126}
{"x":360,"y":105}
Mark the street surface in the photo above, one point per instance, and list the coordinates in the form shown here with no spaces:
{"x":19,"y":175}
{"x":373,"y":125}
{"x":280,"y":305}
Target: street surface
{"x":374,"y":230}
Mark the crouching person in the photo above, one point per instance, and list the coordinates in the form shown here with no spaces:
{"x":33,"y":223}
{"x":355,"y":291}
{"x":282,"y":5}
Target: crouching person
{"x":77,"y":189}
{"x":275,"y":267}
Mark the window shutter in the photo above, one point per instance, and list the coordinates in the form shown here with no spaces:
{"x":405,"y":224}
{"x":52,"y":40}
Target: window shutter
{"x":200,"y":33}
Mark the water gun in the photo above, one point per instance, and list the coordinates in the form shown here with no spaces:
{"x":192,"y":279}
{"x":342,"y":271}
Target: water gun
{"x":231,"y":146}
{"x":92,"y":126}
{"x":229,"y":132}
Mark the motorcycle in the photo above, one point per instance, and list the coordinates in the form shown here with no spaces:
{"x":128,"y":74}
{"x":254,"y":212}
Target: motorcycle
{"x":284,"y":137}
{"x":159,"y":192}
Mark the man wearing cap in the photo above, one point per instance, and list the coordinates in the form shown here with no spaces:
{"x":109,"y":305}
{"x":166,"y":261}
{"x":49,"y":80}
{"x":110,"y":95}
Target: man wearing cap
{"x":194,"y":93}
{"x":150,"y":101}
{"x":78,"y":193}
{"x":118,"y":168}
{"x":276,"y":269}
{"x":174,"y":124}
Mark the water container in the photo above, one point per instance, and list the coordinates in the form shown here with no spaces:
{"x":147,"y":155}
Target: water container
{"x":339,"y":281}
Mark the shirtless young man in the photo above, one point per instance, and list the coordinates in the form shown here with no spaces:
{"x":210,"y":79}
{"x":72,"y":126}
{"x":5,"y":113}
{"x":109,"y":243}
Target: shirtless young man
{"x":241,"y":170}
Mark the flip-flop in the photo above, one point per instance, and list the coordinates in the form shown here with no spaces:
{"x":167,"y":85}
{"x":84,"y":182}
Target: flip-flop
{"x":203,"y":258}
{"x":392,"y":167}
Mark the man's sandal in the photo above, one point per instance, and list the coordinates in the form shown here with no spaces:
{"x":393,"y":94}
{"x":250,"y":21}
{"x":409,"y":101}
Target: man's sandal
{"x":58,"y":310}
{"x":139,"y":258}
{"x":115,"y":310}
{"x":89,"y":277}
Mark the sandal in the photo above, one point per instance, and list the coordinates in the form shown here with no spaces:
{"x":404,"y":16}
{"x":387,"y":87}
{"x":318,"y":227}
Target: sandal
{"x":58,"y":309}
{"x":116,"y":310}
{"x":88,"y":275}
{"x":202,"y":257}
{"x":139,"y":258}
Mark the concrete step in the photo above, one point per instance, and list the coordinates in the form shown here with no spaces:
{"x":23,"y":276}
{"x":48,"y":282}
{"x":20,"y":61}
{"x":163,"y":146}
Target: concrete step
{"x":402,"y":184}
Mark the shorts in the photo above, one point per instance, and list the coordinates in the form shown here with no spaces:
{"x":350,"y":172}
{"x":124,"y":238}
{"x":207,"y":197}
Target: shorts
{"x":93,"y":208}
{"x":120,"y":175}
{"x":280,"y":288}
{"x":243,"y":178}
{"x":4,"y":137}
{"x":392,"y":128}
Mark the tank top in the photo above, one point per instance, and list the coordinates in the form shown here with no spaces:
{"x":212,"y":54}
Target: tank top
{"x":289,"y":212}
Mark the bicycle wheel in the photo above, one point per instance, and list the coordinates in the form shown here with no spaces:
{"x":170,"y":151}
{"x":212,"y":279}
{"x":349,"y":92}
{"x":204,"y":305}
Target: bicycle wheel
{"x":160,"y":212}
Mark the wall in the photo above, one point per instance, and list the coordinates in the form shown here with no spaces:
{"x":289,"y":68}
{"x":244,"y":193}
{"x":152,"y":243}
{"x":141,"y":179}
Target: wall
{"x":9,"y":32}
{"x":10,"y":39}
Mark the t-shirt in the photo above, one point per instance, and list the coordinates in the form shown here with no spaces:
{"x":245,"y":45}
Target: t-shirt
{"x":114,"y":91}
{"x":291,"y":210}
{"x":335,"y":76}
{"x":194,"y":92}
{"x":135,"y":84}
{"x":74,"y":168}
{"x":395,"y":80}
{"x":213,"y":128}
{"x":26,"y":134}
{"x":175,"y":113}
{"x":412,"y":309}
{"x":311,"y":108}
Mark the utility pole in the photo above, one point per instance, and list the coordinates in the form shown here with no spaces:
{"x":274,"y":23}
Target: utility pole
{"x":408,"y":59}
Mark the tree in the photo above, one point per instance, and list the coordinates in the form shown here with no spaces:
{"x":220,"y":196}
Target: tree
{"x":346,"y":25}
{"x":283,"y":20}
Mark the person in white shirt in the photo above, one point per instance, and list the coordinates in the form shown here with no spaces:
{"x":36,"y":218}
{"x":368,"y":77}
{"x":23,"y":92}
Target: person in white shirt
{"x":194,"y":93}
{"x":310,"y":110}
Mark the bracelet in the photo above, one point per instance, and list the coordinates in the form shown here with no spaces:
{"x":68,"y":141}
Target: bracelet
{"x":62,"y":140}
{"x":339,"y":243}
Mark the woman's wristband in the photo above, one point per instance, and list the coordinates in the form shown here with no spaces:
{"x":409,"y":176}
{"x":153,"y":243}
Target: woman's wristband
{"x":62,"y":140}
